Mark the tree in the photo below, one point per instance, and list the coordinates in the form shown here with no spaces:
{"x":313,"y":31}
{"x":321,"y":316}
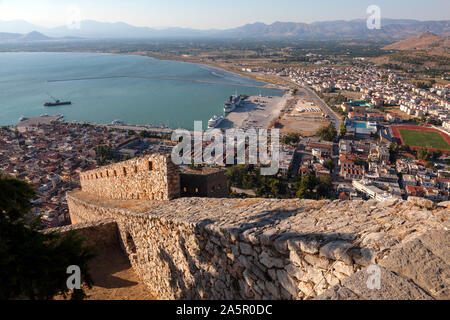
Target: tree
{"x":312,"y":187}
{"x":343,"y":129}
{"x":329,"y":164}
{"x":107,"y":154}
{"x":327,"y":133}
{"x":34,"y":264}
{"x":423,"y":154}
{"x":292,"y":138}
{"x":324,"y":186}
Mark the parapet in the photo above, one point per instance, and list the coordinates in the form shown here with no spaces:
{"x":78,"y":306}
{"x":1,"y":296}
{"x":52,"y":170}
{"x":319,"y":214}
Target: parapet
{"x":152,"y":177}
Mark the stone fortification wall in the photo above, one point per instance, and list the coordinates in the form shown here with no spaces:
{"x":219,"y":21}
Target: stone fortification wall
{"x":196,"y":248}
{"x":153,"y":177}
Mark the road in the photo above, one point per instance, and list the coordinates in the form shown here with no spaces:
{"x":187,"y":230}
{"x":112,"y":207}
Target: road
{"x":335,"y":118}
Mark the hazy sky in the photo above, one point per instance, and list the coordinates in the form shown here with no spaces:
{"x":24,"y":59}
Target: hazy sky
{"x":204,"y":14}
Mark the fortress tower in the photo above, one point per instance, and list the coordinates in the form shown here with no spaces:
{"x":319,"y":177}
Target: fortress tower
{"x":153,"y":177}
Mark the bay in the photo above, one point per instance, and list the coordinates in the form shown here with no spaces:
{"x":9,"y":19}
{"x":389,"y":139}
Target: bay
{"x":135,"y":89}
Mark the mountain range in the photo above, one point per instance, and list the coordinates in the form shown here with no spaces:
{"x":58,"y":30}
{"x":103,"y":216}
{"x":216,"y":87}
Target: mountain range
{"x":392,"y":29}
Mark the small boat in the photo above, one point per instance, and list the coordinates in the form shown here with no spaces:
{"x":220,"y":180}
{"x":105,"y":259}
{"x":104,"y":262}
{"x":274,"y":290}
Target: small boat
{"x":22,"y":118}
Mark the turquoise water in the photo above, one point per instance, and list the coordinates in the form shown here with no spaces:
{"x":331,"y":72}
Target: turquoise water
{"x":24,"y":87}
{"x":359,"y":125}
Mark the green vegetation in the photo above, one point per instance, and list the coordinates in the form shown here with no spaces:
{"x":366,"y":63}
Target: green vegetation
{"x":327,"y":133}
{"x":329,"y":164}
{"x":106,"y":155}
{"x":312,"y":187}
{"x":421,"y":154}
{"x":343,"y":129}
{"x":425,"y":154}
{"x":424,"y":139}
{"x":335,"y":100}
{"x":427,"y":120}
{"x":247,"y":177}
{"x":308,"y":187}
{"x":419,"y":59}
{"x":425,"y":85}
{"x":33,"y":264}
{"x":292,"y":138}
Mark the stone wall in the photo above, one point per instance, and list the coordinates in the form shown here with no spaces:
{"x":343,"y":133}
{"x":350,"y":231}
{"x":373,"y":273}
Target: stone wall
{"x":196,"y":248}
{"x":153,"y":177}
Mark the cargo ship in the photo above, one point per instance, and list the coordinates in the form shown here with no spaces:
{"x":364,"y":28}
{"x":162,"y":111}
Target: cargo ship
{"x":57,"y":103}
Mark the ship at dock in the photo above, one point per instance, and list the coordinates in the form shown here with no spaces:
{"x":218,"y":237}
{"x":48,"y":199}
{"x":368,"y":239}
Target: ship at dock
{"x":232,"y":103}
{"x":215,"y":121}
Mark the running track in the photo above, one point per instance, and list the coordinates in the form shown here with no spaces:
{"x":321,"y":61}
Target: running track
{"x":396,"y":132}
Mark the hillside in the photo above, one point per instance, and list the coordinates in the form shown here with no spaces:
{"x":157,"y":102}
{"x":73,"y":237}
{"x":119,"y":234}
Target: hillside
{"x":28,"y":37}
{"x":426,"y":41}
{"x":426,"y":52}
{"x":33,"y":36}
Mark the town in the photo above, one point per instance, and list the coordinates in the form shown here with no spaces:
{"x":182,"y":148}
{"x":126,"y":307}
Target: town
{"x":390,"y":142}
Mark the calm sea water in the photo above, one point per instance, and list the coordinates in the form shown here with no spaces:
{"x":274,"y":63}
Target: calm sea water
{"x":24,"y":87}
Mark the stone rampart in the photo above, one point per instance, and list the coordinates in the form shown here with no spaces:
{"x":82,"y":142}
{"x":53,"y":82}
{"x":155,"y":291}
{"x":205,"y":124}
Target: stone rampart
{"x":197,"y":248}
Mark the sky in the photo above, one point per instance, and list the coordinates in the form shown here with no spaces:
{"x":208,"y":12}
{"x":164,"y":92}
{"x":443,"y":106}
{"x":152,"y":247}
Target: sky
{"x":214,"y":14}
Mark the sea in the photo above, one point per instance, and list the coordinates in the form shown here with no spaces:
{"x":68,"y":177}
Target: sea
{"x":106,"y":87}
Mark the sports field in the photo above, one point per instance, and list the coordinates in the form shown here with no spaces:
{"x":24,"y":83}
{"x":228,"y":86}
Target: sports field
{"x":424,"y":139}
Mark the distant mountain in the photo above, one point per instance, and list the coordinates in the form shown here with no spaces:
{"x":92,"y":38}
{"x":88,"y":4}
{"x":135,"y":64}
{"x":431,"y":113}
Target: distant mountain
{"x":19,"y":26}
{"x":355,"y":29}
{"x":426,"y":41}
{"x":33,"y":36}
{"x":95,"y":29}
{"x":28,"y":37}
{"x":392,"y":29}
